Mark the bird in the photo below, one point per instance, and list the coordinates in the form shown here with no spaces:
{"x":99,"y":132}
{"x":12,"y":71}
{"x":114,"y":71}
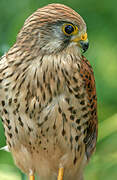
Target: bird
{"x":48,"y":101}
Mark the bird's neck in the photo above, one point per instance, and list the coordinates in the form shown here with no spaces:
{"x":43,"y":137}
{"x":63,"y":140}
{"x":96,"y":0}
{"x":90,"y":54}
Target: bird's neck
{"x":33,"y":68}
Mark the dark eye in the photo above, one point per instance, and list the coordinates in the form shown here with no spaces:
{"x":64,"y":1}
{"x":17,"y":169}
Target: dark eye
{"x":69,"y":29}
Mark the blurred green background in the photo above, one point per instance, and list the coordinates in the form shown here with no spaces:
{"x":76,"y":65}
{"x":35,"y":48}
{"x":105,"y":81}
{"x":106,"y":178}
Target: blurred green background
{"x":101,"y":19}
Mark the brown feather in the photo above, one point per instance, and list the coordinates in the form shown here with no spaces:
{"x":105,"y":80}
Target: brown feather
{"x":48,"y":100}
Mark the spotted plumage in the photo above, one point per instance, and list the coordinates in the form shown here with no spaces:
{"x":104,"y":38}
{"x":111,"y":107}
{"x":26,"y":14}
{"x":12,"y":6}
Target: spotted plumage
{"x":48,"y":95}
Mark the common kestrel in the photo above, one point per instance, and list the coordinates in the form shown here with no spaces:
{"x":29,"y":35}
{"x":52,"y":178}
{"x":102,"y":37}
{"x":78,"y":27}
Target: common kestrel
{"x":48,"y":96}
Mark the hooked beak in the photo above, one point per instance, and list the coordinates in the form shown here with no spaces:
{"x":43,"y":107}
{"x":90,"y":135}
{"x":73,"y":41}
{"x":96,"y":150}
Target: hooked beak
{"x":84,"y":45}
{"x":82,"y":42}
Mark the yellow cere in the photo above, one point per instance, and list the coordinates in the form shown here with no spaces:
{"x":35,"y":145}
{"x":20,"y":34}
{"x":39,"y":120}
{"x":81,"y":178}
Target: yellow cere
{"x":84,"y":37}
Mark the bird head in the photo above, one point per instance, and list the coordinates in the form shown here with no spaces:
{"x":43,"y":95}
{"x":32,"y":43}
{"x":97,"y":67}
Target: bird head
{"x":53,"y":28}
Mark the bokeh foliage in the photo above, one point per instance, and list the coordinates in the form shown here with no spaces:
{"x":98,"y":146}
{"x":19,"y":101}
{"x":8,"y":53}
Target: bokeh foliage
{"x":101,"y":19}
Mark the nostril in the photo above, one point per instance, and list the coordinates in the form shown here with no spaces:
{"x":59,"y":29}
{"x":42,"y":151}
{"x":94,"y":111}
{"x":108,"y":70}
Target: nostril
{"x":84,"y":37}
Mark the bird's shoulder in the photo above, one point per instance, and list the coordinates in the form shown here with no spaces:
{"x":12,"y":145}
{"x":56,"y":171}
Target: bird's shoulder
{"x":87,"y":74}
